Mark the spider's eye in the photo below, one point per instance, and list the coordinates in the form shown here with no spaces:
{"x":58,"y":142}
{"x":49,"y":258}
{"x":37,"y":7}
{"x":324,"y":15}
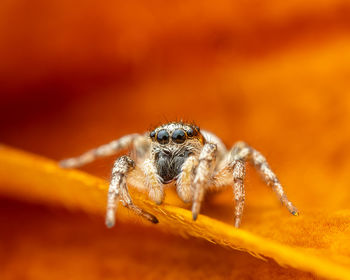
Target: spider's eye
{"x":163,"y":136}
{"x":152,"y":134}
{"x":190,"y":132}
{"x":179,"y":136}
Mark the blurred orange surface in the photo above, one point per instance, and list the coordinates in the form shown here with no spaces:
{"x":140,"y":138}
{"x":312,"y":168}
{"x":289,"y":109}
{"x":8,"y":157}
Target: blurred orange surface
{"x":77,"y":75}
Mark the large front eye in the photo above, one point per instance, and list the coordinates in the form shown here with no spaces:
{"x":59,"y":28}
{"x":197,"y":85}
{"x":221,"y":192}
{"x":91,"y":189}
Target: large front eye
{"x":163,"y":136}
{"x":179,"y":136}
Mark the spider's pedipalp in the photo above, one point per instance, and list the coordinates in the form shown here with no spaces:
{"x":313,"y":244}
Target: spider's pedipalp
{"x":203,"y":175}
{"x":184,"y":181}
{"x":153,"y":184}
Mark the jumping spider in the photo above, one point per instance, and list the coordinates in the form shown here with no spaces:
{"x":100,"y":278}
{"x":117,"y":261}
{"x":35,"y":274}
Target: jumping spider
{"x":196,"y":160}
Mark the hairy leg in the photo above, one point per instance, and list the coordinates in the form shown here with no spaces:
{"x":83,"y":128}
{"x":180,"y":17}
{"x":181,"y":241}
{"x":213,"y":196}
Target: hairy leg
{"x":153,"y":183}
{"x":118,"y":189}
{"x":232,"y":173}
{"x":235,"y":165}
{"x":184,"y":181}
{"x":238,"y":190}
{"x":241,"y":151}
{"x":102,"y":151}
{"x":203,"y":175}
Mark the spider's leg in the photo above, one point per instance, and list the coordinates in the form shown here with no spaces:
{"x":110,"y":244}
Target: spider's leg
{"x":232,"y":170}
{"x":118,"y":189}
{"x":241,"y":151}
{"x":184,"y":181}
{"x":153,"y":182}
{"x":203,"y":175}
{"x":238,"y":189}
{"x":102,"y":151}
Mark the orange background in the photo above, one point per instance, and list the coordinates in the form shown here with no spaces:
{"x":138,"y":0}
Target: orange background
{"x":76,"y":75}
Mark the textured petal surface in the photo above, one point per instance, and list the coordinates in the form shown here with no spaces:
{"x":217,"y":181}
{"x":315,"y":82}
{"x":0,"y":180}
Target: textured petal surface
{"x":76,"y":190}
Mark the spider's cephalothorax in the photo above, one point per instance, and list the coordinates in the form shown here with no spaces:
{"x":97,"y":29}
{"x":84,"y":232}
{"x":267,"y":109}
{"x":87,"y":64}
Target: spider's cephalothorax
{"x":171,"y":145}
{"x":179,"y":152}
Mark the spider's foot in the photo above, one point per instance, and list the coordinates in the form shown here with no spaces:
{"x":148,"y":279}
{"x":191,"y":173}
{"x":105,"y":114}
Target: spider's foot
{"x":157,"y":195}
{"x":292,"y":209}
{"x":237,"y":222}
{"x":150,"y":217}
{"x":195,"y":210}
{"x":110,"y":224}
{"x":295,"y":213}
{"x":68,"y":163}
{"x":110,"y":218}
{"x":154,"y":220}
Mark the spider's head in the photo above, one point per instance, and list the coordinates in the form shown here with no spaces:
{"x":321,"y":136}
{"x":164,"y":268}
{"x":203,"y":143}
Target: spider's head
{"x":176,"y":133}
{"x":172,"y":143}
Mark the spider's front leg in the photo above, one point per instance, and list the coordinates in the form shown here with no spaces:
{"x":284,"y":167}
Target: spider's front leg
{"x":203,"y":175}
{"x":118,"y":189}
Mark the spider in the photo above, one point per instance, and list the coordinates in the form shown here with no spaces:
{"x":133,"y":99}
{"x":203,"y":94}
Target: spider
{"x":195,"y":160}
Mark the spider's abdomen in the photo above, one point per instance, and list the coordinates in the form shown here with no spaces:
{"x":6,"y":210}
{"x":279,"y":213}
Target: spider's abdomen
{"x":169,"y":165}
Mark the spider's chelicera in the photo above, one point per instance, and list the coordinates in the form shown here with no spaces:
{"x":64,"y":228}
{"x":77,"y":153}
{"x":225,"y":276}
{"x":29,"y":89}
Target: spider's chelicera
{"x":195,"y":160}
